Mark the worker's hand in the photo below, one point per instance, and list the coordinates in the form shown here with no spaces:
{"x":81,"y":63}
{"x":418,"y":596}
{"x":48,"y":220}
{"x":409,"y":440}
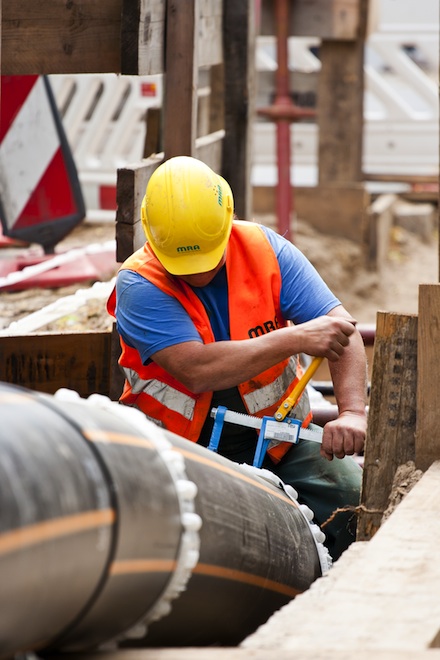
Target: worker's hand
{"x":326,"y":336}
{"x":344,"y":436}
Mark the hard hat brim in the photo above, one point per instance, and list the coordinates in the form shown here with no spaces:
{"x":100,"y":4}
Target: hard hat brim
{"x":191,"y":263}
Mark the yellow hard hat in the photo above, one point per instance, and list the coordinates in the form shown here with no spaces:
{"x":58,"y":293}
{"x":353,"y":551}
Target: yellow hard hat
{"x":187,"y":215}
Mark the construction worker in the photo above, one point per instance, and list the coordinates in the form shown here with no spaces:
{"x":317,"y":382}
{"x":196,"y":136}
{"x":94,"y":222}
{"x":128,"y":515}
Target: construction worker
{"x":213,"y":311}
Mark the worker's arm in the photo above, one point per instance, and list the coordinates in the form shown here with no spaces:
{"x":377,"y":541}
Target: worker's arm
{"x":220,"y":365}
{"x":346,"y":434}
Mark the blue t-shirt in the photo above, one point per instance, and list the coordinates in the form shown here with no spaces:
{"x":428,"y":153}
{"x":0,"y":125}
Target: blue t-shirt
{"x":150,"y":320}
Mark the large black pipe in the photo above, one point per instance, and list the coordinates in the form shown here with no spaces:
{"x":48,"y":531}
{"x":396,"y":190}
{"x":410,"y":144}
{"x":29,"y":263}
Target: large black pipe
{"x":112,"y":529}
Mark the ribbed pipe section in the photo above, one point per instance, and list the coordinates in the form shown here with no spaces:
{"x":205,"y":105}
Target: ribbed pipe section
{"x":113,"y":530}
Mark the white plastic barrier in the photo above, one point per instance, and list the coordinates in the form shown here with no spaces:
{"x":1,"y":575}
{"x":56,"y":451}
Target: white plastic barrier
{"x":104,"y":119}
{"x":401,"y":112}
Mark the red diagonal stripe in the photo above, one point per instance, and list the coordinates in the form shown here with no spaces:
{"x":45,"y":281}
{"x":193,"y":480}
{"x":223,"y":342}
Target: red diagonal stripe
{"x":14,"y":91}
{"x":52,"y":199}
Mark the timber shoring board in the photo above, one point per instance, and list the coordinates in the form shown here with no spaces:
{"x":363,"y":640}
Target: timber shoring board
{"x":230,"y":653}
{"x":380,"y":595}
{"x":180,"y":84}
{"x":338,"y":210}
{"x":380,"y":220}
{"x":61,"y":37}
{"x":130,"y":190}
{"x":142,"y":37}
{"x":391,"y":417}
{"x":427,"y":445}
{"x":239,"y":101}
{"x":328,"y":19}
{"x":48,"y":362}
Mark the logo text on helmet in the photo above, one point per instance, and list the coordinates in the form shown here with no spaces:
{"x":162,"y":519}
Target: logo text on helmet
{"x":188,"y":248}
{"x":220,"y":195}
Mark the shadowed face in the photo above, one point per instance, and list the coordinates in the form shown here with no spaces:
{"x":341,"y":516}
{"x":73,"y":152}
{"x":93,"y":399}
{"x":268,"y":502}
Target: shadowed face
{"x":202,"y":279}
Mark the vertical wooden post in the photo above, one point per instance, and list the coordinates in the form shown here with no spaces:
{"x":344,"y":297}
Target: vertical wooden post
{"x":340,"y":106}
{"x":239,"y":93}
{"x":428,"y":387}
{"x":180,"y":84}
{"x":391,"y":417}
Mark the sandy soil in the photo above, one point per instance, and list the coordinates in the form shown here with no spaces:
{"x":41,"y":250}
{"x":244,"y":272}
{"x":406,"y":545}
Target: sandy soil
{"x":411,"y":261}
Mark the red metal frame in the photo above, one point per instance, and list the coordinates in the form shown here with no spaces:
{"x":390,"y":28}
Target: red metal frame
{"x":283,"y":112}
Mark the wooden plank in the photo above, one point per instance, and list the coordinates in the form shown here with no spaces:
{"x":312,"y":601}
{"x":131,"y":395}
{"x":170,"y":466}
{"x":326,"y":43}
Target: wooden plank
{"x":239,"y":99}
{"x":339,"y":210}
{"x":379,"y":222}
{"x":142,"y":36}
{"x":349,"y":204}
{"x":328,"y":19}
{"x":180,"y":84}
{"x":47,"y":362}
{"x":217,"y":104}
{"x":61,"y":37}
{"x":340,"y":112}
{"x":209,"y":149}
{"x":427,"y":447}
{"x":153,"y":134}
{"x":210,"y":35}
{"x":340,"y":107}
{"x":392,"y":415}
{"x":380,"y":595}
{"x":237,"y":653}
{"x":130,"y":190}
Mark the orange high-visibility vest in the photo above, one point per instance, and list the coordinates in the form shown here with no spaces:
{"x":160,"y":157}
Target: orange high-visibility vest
{"x":254,"y":285}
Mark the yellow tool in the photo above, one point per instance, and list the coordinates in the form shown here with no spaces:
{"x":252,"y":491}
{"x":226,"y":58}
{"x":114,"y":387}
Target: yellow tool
{"x":270,"y":428}
{"x":291,"y":400}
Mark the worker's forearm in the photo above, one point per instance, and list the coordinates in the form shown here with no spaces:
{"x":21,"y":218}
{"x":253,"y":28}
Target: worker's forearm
{"x":224,"y":364}
{"x":220,"y":365}
{"x":349,"y":375}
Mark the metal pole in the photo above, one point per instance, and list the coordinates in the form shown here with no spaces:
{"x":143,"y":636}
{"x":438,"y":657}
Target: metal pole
{"x":283,"y":111}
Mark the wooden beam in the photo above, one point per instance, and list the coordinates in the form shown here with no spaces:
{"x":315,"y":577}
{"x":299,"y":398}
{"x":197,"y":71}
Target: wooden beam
{"x":237,"y":653}
{"x":380,"y":219}
{"x":61,"y":37}
{"x":328,"y":19}
{"x":153,"y":133}
{"x":340,"y":107}
{"x":239,"y":98}
{"x":317,"y":205}
{"x":217,"y":104}
{"x":180,"y":85}
{"x":47,"y":362}
{"x":427,"y":447}
{"x":380,"y":595}
{"x":130,"y":190}
{"x":209,"y":36}
{"x":392,"y":415}
{"x":142,"y":36}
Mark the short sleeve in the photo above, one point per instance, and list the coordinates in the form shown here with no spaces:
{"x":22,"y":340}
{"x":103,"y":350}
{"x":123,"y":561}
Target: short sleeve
{"x":304,"y":294}
{"x":149,"y":319}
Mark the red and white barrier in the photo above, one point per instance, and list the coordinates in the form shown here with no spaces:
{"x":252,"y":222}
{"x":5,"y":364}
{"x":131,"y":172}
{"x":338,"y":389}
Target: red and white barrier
{"x":40,"y":195}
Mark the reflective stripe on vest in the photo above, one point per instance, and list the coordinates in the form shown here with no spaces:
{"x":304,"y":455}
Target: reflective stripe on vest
{"x":164,"y":394}
{"x":267,"y":396}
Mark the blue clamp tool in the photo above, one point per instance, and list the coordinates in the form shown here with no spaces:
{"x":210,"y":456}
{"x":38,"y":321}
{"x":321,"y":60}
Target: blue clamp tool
{"x":269,"y":430}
